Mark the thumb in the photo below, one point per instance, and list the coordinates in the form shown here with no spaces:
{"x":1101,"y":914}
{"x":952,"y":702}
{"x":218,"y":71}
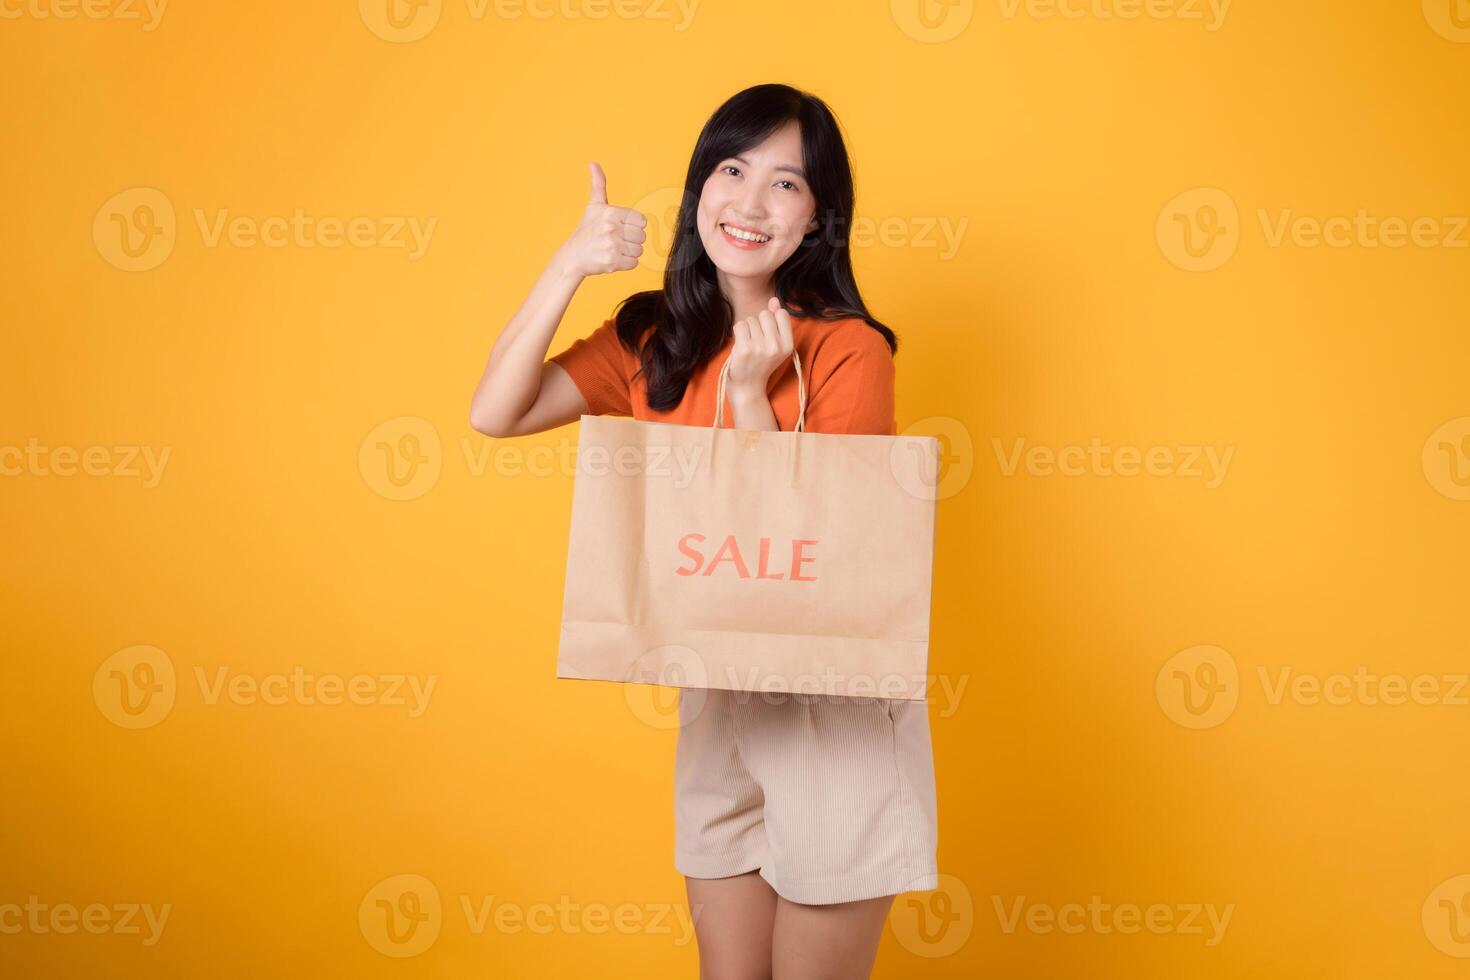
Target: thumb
{"x":599,"y":185}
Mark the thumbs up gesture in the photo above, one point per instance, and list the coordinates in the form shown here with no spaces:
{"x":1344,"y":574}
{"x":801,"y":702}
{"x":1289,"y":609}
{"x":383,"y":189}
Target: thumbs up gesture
{"x":608,"y":239}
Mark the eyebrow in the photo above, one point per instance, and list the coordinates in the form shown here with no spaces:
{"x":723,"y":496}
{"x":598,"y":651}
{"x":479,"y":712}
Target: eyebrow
{"x":780,"y":166}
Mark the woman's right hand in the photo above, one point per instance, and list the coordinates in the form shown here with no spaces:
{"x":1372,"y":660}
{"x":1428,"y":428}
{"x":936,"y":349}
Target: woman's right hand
{"x":609,"y":239}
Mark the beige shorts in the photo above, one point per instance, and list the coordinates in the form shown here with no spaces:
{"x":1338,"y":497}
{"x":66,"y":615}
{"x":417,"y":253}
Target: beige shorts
{"x":832,"y":799}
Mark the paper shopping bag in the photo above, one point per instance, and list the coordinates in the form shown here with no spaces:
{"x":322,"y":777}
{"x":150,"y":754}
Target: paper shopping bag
{"x":795,"y":562}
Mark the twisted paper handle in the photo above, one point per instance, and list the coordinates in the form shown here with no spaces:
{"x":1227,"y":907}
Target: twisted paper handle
{"x":800,"y":393}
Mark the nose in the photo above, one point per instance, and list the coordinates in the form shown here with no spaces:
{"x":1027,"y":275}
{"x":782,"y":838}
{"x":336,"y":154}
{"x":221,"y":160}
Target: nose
{"x":752,"y":202}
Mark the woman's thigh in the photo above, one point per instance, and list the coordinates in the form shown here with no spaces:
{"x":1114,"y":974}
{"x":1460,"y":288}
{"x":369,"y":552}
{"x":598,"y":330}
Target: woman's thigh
{"x":827,"y":942}
{"x":734,"y":919}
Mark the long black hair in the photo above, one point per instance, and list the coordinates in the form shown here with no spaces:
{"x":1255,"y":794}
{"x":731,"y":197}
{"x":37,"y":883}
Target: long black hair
{"x":692,"y":319}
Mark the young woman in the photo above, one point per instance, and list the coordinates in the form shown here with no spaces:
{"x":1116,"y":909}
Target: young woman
{"x":797,"y":818}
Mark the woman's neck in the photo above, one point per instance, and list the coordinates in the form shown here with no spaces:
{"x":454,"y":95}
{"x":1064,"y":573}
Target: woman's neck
{"x":747,"y":297}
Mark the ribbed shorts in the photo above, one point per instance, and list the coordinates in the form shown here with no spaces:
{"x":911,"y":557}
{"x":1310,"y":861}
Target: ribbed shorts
{"x":831,"y":798}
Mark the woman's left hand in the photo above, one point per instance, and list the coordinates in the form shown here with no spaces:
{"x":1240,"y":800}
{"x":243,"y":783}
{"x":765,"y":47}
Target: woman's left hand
{"x":762,"y":344}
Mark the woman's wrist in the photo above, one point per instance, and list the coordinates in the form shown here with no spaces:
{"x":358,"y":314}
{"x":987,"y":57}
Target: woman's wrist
{"x":746,"y":395}
{"x":564,"y":269}
{"x":751,"y":409}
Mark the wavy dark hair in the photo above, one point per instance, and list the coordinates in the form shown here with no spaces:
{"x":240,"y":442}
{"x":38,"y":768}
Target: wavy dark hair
{"x":692,"y":319}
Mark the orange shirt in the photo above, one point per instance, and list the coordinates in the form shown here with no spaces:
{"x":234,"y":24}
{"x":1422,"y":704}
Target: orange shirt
{"x":846,"y":364}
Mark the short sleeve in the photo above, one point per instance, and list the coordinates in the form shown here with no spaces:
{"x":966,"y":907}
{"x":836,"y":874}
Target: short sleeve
{"x":596,"y":365}
{"x":854,"y":394}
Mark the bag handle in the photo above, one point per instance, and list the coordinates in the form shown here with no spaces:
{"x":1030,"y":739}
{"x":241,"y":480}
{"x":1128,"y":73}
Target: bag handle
{"x":800,"y":393}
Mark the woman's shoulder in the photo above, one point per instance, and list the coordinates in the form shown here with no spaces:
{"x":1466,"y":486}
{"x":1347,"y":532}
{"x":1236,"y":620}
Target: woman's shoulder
{"x":850,"y":334}
{"x":609,"y":337}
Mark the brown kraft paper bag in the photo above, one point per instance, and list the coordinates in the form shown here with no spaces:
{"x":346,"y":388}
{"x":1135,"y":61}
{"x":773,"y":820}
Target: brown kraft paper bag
{"x":796,"y":562}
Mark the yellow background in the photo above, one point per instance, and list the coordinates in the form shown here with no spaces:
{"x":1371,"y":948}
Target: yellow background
{"x":271,"y":541}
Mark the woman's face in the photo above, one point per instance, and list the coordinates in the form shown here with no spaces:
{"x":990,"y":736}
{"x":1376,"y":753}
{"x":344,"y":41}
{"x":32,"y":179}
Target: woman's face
{"x":755,"y":208}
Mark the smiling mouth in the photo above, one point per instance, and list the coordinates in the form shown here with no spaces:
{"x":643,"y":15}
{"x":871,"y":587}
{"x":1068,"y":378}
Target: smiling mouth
{"x":744,"y":237}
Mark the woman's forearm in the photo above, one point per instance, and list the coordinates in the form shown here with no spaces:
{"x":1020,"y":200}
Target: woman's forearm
{"x":512,"y":376}
{"x":608,"y":239}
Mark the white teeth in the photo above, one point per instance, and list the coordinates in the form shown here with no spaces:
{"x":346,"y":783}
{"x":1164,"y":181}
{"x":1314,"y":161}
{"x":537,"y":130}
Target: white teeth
{"x":748,"y":236}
